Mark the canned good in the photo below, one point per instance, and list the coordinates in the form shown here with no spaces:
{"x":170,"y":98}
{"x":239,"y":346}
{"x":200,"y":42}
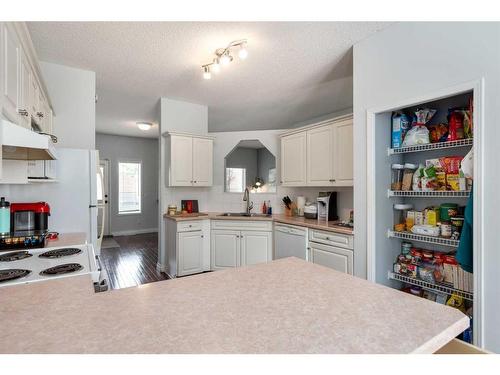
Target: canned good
{"x":457,"y":223}
{"x":446,"y":229}
{"x":406,"y":248}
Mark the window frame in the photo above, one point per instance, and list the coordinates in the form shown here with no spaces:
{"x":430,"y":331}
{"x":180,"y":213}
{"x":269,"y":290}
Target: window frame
{"x":130,"y":161}
{"x":244,"y":180}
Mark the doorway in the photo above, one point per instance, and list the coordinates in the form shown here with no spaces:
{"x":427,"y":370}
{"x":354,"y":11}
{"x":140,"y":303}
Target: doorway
{"x":103,"y":199}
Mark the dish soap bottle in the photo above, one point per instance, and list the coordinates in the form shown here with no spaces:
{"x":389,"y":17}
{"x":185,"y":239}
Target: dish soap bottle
{"x":269,"y":208}
{"x":4,"y":216}
{"x":264,"y":208}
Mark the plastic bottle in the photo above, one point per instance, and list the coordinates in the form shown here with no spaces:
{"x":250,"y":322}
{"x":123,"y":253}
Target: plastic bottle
{"x":4,"y":216}
{"x":264,"y":208}
{"x":269,"y":208}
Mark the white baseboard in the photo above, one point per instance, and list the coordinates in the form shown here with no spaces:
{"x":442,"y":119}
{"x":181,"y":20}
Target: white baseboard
{"x":134,"y":231}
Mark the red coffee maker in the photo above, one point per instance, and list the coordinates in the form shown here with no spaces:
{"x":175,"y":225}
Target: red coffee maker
{"x":29,"y":216}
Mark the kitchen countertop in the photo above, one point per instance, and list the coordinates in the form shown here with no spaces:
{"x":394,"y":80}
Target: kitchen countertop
{"x":286,"y":306}
{"x":281,"y":218}
{"x":68,"y":239}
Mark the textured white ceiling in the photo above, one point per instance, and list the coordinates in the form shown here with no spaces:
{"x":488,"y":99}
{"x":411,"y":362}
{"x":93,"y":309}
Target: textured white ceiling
{"x":294,"y":71}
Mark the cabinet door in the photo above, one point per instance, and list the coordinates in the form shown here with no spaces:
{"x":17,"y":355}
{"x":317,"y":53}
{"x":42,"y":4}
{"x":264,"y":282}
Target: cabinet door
{"x":181,"y":161}
{"x":343,"y":153}
{"x":11,"y":58}
{"x":320,"y":156}
{"x":34,"y":97}
{"x":225,"y":249}
{"x":333,"y":257}
{"x":24,"y":92}
{"x":293,"y":160}
{"x":256,"y":247}
{"x":202,"y":162}
{"x":190,"y":253}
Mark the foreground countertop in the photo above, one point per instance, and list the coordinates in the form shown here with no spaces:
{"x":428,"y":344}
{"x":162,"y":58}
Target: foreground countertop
{"x":331,"y":226}
{"x":286,"y":306}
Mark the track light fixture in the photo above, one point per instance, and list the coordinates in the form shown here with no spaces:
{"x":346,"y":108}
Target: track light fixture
{"x":224,"y":56}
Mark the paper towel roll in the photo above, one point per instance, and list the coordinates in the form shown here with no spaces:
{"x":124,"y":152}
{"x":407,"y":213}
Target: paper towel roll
{"x":301,"y":202}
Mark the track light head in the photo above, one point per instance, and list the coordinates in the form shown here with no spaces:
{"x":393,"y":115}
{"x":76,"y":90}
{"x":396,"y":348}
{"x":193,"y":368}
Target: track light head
{"x":206,"y":72}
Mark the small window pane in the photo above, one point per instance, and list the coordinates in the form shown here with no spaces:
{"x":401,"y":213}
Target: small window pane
{"x":129,"y":187}
{"x":235,"y":180}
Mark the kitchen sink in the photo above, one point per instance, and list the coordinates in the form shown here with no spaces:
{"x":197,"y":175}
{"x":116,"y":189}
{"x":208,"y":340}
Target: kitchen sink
{"x":243,"y":214}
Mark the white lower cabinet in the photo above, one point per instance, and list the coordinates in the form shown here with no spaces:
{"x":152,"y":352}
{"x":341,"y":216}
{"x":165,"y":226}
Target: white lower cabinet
{"x":256,"y":247}
{"x":190,"y":253}
{"x":333,"y":257}
{"x":225,"y":249}
{"x":237,"y":246}
{"x":333,"y":250}
{"x":187,"y":247}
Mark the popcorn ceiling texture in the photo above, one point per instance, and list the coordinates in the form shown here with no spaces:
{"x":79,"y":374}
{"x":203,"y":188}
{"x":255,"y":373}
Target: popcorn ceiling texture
{"x":294,"y":71}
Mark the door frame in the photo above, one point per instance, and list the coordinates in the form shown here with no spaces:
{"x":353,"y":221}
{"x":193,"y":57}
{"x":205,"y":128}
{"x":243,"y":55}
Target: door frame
{"x":477,"y":88}
{"x":106,"y":166}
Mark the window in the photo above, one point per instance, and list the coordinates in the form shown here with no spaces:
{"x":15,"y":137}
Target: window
{"x":235,"y":180}
{"x":129,"y":188}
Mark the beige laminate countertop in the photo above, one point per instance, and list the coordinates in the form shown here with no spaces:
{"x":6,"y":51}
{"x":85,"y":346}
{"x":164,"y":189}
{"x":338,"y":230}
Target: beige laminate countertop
{"x":286,"y":306}
{"x":331,"y":226}
{"x":68,"y":239}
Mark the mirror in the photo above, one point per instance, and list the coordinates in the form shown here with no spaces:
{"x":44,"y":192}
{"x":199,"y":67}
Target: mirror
{"x":250,"y":164}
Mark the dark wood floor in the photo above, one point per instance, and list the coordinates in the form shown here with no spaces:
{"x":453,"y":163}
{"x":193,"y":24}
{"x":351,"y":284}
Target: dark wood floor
{"x":134,"y":262}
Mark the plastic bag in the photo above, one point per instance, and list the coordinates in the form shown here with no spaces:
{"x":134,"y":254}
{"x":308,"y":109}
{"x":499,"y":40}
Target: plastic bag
{"x":417,"y":135}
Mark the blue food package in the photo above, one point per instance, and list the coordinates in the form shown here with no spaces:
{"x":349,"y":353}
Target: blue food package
{"x":401,"y":123}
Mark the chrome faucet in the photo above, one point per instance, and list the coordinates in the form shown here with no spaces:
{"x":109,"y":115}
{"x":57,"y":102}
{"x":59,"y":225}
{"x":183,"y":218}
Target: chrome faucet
{"x":246,"y":198}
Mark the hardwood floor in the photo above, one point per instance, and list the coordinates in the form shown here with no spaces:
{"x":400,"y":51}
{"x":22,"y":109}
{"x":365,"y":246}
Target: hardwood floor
{"x":134,"y":262}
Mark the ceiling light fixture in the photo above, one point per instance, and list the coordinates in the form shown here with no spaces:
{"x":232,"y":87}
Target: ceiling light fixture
{"x":206,"y":72}
{"x":223,"y":56}
{"x":144,"y":125}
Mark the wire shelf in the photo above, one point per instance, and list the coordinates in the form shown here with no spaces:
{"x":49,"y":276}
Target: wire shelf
{"x":428,"y":194}
{"x":431,"y":146}
{"x":423,"y":238}
{"x":438,"y":288}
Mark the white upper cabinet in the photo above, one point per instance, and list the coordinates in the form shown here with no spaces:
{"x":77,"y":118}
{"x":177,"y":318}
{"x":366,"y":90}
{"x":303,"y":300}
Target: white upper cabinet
{"x":293,"y":159}
{"x":318,"y":155}
{"x":23,"y":96}
{"x":202,"y":161}
{"x":189,"y":160}
{"x":11,"y":49}
{"x":319,"y":163}
{"x":343,"y":153}
{"x":24,"y":109}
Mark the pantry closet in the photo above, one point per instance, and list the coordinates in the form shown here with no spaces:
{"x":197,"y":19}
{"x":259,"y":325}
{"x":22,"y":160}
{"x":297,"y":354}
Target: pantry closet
{"x":414,"y":226}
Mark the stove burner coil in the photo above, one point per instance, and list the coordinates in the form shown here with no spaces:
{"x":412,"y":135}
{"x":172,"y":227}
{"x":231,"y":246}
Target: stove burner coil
{"x":16,"y":255}
{"x":59,"y":253}
{"x":61,"y":269}
{"x":13,"y":274}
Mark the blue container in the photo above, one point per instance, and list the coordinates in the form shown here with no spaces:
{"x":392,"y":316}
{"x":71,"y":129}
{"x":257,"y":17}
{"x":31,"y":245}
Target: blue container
{"x":4,"y":216}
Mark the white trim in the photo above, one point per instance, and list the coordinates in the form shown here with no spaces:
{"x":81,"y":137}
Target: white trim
{"x":169,"y":133}
{"x":134,"y":231}
{"x":332,"y":120}
{"x":477,"y":86}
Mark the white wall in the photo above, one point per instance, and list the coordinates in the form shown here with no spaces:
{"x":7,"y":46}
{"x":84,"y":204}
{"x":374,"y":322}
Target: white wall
{"x":408,"y":60}
{"x":116,"y":148}
{"x":72,"y":92}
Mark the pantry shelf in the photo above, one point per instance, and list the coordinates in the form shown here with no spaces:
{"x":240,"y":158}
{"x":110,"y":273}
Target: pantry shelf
{"x":437,"y":288}
{"x":423,"y":238}
{"x":431,"y":146}
{"x":428,"y":194}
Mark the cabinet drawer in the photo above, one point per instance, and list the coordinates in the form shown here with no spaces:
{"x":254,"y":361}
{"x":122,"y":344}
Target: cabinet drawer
{"x":189,"y":226}
{"x":332,"y":239}
{"x":243,"y":225}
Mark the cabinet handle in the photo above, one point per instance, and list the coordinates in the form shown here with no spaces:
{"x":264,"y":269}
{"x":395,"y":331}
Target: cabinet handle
{"x":23,"y":112}
{"x":331,"y":180}
{"x":39,"y":114}
{"x":327,"y":238}
{"x":202,"y":236}
{"x":194,"y":181}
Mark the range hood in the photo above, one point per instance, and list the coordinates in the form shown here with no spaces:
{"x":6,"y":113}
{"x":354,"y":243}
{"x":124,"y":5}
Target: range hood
{"x":19,"y":143}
